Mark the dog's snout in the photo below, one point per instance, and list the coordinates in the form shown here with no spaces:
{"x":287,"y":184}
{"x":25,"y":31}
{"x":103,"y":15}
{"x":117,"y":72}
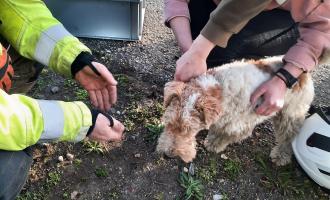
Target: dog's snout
{"x":169,"y":154}
{"x":168,"y":157}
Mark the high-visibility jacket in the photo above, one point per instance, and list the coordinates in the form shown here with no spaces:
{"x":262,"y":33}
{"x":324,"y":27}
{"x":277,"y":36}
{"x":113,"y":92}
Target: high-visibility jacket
{"x":32,"y":30}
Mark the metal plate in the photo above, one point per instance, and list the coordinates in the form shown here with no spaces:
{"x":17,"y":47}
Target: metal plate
{"x":106,"y":19}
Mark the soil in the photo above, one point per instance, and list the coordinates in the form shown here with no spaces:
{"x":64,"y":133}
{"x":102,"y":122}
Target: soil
{"x":132,"y":169}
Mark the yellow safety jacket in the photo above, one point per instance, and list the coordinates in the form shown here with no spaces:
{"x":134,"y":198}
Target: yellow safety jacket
{"x":32,"y":30}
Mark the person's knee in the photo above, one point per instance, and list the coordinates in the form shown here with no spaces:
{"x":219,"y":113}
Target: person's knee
{"x":14,"y":169}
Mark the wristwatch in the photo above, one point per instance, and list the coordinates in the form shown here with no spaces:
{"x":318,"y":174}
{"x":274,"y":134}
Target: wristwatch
{"x":287,"y":77}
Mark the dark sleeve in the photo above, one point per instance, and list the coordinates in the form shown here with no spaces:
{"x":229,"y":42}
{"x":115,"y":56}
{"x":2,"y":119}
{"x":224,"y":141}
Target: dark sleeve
{"x":230,"y":17}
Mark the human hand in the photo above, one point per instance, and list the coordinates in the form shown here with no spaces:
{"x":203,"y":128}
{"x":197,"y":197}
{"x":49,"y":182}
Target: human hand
{"x":193,"y":62}
{"x":102,"y":89}
{"x":272,"y":92}
{"x":189,"y":66}
{"x":102,"y":131}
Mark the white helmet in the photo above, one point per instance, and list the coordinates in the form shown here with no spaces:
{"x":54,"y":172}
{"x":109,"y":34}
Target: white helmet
{"x":312,"y":146}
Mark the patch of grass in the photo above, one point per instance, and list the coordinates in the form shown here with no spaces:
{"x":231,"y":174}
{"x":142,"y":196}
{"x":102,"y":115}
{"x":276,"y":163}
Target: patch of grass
{"x":159,"y":196}
{"x":66,"y":195}
{"x":114,"y":195}
{"x":101,"y":172}
{"x":142,"y":114}
{"x":77,"y":162}
{"x":154,"y":131}
{"x":122,"y":79}
{"x":70,"y":83}
{"x":193,"y":187}
{"x":30,"y":196}
{"x":81,"y":95}
{"x":208,"y":173}
{"x":93,"y":146}
{"x":129,"y":124}
{"x":53,"y":178}
{"x":232,"y":168}
{"x":283,"y":178}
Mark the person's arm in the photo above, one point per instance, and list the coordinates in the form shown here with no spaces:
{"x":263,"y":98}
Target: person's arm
{"x":228,"y":18}
{"x":181,"y":29}
{"x":32,"y":30}
{"x":25,"y":121}
{"x":177,"y":17}
{"x":313,"y":44}
{"x":314,"y":40}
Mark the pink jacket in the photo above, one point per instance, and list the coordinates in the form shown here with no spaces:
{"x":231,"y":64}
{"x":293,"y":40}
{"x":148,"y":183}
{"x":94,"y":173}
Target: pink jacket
{"x":314,"y":27}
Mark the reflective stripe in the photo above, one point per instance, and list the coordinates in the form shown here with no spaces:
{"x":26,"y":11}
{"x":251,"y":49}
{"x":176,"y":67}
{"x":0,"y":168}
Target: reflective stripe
{"x":81,"y":135}
{"x":47,"y":43}
{"x":53,"y":117}
{"x":280,"y":2}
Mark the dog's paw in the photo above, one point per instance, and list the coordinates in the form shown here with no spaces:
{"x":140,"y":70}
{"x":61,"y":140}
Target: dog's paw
{"x":280,"y":158}
{"x":214,"y":146}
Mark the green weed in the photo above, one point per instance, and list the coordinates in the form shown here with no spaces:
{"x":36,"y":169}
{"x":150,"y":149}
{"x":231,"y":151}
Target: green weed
{"x":70,"y":83}
{"x":101,"y":172}
{"x":159,"y":196}
{"x":142,"y":114}
{"x":53,"y":178}
{"x":208,"y":173}
{"x":81,"y":95}
{"x":193,"y":187}
{"x":30,"y":196}
{"x":93,"y":146}
{"x":283,"y":178}
{"x":232,"y":168}
{"x":154,"y":131}
{"x":122,"y":79}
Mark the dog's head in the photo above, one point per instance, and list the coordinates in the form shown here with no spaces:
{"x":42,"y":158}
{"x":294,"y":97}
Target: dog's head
{"x":190,"y":108}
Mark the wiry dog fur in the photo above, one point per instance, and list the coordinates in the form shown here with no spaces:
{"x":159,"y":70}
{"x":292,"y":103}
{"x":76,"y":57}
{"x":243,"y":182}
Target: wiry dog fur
{"x":220,"y":101}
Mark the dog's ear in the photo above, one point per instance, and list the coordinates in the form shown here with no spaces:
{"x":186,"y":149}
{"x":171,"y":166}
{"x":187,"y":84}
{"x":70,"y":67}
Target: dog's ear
{"x":172,"y":90}
{"x":209,"y":105}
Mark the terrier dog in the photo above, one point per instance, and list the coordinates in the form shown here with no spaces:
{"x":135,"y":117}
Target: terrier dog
{"x":220,"y":102}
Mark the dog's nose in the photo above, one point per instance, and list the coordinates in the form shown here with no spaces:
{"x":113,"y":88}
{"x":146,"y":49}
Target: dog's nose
{"x":169,"y":155}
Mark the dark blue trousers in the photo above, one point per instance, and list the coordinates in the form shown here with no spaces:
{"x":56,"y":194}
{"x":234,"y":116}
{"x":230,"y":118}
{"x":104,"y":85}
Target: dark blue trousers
{"x":14,"y":168}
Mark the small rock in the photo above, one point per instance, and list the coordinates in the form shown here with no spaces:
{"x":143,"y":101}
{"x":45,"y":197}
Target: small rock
{"x":133,"y":137}
{"x":118,"y":112}
{"x":45,"y":144}
{"x":74,"y":194}
{"x":185,"y":169}
{"x":223,"y":156}
{"x":138,"y":155}
{"x":69,"y":156}
{"x":54,"y":89}
{"x":217,"y":197}
{"x":60,"y":159}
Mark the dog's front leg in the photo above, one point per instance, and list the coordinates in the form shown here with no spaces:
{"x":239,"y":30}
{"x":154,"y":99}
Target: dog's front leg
{"x":286,"y":127}
{"x":220,"y":137}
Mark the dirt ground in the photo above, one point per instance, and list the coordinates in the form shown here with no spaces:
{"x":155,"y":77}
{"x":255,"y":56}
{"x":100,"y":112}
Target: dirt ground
{"x":131,"y":169}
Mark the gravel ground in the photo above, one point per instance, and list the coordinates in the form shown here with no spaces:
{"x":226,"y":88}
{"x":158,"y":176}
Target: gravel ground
{"x":131,"y":169}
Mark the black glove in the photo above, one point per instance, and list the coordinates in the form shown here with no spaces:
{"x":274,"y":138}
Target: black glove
{"x":82,"y":60}
{"x":95,"y":113}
